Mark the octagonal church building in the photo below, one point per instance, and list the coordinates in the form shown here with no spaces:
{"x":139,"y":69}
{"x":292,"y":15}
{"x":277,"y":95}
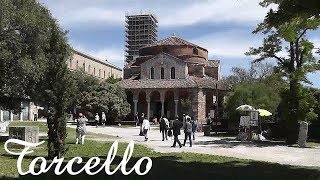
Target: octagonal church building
{"x":172,"y":77}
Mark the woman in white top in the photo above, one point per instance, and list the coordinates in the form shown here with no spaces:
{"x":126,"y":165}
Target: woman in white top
{"x":146,"y":128}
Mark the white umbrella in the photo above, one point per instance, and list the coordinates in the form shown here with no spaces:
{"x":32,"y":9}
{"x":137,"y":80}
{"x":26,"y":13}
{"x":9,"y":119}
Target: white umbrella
{"x":245,"y":107}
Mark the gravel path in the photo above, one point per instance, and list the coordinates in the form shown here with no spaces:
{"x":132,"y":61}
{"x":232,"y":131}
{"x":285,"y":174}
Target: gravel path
{"x":224,"y":146}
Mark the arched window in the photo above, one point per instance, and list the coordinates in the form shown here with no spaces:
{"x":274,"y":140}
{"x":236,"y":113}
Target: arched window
{"x":84,"y":66}
{"x":195,"y":51}
{"x":99,"y":72}
{"x":89,"y":69}
{"x":152,"y":73}
{"x":173,"y":73}
{"x":77,"y":67}
{"x":104,"y":74}
{"x":94,"y":71}
{"x":70,"y":63}
{"x":162,"y":73}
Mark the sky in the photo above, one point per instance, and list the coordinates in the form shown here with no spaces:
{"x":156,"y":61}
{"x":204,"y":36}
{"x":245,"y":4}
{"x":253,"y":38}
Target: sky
{"x":223,"y":27}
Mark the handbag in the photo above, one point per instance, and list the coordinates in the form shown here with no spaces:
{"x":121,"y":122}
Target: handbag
{"x":169,"y":132}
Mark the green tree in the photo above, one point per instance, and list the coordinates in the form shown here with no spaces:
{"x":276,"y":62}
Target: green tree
{"x":33,"y":54}
{"x":290,"y":9}
{"x":258,"y":95}
{"x":186,"y":105}
{"x":113,"y":80}
{"x":289,"y":36}
{"x":82,"y":85}
{"x":257,"y":72}
{"x":108,"y":98}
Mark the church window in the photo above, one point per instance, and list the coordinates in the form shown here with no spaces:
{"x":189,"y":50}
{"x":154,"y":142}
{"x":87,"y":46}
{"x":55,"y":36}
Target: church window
{"x":173,"y":73}
{"x":84,"y":66}
{"x":152,"y":73}
{"x":162,"y":73}
{"x":195,"y":51}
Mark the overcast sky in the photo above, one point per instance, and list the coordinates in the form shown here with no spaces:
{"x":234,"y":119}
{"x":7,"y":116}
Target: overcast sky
{"x":223,"y":27}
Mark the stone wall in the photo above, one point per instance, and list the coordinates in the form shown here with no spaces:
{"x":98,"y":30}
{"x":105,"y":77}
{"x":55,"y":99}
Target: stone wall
{"x":199,"y":105}
{"x":166,"y":62}
{"x":213,"y":72}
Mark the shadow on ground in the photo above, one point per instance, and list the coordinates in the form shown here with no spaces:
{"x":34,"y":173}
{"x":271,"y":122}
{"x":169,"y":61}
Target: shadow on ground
{"x":171,"y":167}
{"x":231,"y":143}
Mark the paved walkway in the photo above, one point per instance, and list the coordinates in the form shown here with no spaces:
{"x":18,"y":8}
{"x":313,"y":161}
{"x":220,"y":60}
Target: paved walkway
{"x":224,"y":146}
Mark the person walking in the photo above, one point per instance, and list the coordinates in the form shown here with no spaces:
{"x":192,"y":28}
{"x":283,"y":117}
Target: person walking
{"x":103,"y":119}
{"x":81,"y":128}
{"x":176,"y":126}
{"x":96,"y":119}
{"x":187,"y":131}
{"x":136,"y":118}
{"x":164,"y":125}
{"x":146,"y":128}
{"x":140,"y":124}
{"x":194,"y":124}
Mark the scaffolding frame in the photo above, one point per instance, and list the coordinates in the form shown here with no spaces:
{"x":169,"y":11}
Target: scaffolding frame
{"x":140,"y":31}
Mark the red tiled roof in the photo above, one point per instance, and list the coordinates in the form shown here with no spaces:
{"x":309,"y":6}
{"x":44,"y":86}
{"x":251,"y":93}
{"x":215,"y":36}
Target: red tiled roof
{"x":189,"y":82}
{"x":174,"y":41}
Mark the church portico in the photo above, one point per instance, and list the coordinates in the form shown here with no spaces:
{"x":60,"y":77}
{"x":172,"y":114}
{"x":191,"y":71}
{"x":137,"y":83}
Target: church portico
{"x":167,"y":102}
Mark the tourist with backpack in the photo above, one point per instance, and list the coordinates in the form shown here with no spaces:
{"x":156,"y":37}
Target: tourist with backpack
{"x":187,"y":131}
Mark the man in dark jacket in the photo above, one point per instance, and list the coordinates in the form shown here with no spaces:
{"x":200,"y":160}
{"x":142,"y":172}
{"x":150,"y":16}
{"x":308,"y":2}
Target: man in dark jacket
{"x":140,"y":124}
{"x":164,"y":125}
{"x":136,"y":118}
{"x":187,"y":131}
{"x":176,"y":126}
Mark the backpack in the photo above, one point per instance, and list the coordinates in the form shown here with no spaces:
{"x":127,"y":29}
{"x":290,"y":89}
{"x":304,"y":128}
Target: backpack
{"x":188,"y":127}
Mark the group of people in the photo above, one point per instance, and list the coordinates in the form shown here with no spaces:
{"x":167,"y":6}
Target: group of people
{"x":103,"y":119}
{"x":170,"y":129}
{"x":174,"y":129}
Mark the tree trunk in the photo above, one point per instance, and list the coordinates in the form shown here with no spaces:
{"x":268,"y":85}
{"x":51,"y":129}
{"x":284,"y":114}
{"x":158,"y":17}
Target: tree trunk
{"x":292,"y":121}
{"x":56,"y":135}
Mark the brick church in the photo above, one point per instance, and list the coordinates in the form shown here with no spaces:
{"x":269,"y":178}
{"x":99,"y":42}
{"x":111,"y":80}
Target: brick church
{"x":172,"y":77}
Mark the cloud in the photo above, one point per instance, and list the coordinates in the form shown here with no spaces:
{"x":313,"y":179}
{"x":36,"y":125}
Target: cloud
{"x":176,"y":13}
{"x":229,"y":43}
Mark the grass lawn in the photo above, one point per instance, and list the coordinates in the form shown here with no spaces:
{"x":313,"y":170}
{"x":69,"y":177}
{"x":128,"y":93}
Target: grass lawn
{"x":165,"y":165}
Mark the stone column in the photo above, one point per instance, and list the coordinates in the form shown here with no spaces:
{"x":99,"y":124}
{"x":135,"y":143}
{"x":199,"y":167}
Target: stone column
{"x":30,"y":111}
{"x":135,"y":101}
{"x":148,"y":109}
{"x":162,"y":107}
{"x":21,"y":116}
{"x":1,"y":115}
{"x":11,"y":115}
{"x":199,"y":105}
{"x":21,"y":113}
{"x":148,"y":99}
{"x":176,"y":101}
